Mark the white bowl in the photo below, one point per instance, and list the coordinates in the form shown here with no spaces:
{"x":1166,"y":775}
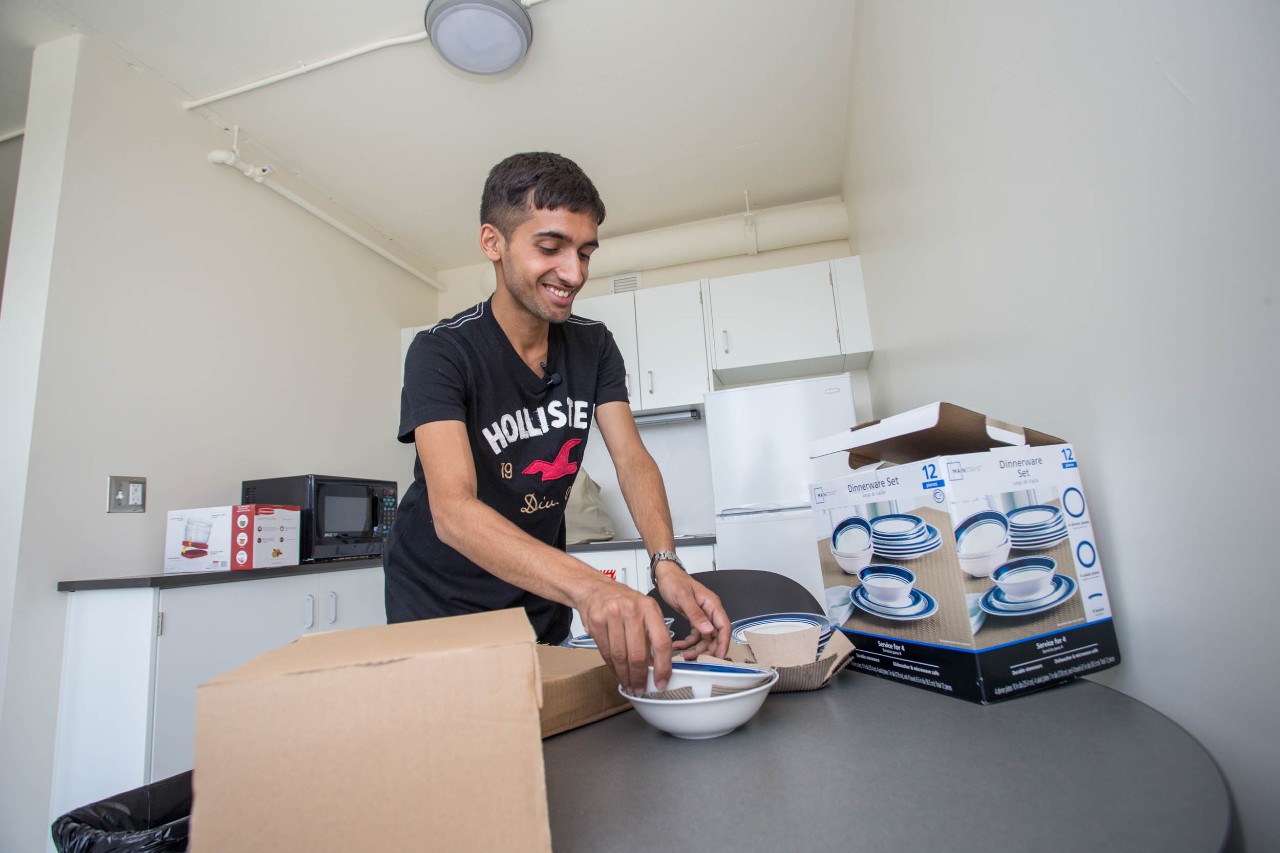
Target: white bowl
{"x":983,"y":564}
{"x":702,"y":677}
{"x":852,"y":562}
{"x":698,"y":719}
{"x":1025,"y":578}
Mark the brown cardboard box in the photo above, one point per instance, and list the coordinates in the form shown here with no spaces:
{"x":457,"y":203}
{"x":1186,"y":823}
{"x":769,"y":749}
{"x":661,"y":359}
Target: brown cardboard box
{"x":415,"y":736}
{"x":577,"y":688}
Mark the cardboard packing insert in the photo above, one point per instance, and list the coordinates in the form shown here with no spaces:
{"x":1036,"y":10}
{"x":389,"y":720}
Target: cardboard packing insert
{"x":794,"y":656}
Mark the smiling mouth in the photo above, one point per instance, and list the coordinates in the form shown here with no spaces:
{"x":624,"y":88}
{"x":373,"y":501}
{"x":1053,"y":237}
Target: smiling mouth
{"x":558,"y":292}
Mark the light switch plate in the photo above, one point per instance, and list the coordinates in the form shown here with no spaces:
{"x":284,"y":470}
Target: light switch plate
{"x":126,"y":494}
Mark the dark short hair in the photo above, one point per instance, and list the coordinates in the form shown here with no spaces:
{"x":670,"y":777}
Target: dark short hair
{"x":536,"y":180}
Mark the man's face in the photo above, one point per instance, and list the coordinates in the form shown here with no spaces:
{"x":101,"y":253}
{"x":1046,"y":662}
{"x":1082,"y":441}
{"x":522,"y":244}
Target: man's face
{"x":544,"y":261}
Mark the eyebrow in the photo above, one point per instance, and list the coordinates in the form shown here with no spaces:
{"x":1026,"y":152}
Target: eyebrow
{"x":564,"y":238}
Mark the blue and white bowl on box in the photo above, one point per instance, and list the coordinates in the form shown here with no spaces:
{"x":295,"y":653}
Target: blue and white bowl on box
{"x":851,"y":544}
{"x":1025,"y":579}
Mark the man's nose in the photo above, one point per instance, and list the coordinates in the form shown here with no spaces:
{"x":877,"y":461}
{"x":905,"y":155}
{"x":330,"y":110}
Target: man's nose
{"x":573,"y":271}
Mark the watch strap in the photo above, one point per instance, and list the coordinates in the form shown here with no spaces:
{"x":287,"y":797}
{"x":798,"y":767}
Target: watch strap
{"x":658,"y":557}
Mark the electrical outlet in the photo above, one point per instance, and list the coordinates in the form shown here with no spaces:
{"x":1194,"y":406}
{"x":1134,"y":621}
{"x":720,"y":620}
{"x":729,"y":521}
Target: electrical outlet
{"x":126,"y":494}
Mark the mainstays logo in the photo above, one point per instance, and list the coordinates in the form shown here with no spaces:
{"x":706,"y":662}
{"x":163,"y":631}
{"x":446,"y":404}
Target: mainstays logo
{"x":522,"y":424}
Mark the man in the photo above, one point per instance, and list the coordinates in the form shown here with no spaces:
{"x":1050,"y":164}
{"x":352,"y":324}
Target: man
{"x":498,"y":401}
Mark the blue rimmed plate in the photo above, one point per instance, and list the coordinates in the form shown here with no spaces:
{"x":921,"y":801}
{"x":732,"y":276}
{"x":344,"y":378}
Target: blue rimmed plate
{"x":919,"y":606}
{"x":994,"y":602}
{"x":896,"y":525}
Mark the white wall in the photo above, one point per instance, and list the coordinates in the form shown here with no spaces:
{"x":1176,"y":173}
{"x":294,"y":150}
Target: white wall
{"x":1066,"y":215}
{"x":175,"y":321}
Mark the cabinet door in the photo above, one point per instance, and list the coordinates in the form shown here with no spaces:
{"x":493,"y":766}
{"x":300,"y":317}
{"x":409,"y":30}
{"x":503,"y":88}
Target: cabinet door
{"x":672,"y":346}
{"x":618,"y":312}
{"x":699,"y":558}
{"x":207,"y":631}
{"x":851,"y":309}
{"x":350,"y":599}
{"x":773,"y":316}
{"x":621,"y":564}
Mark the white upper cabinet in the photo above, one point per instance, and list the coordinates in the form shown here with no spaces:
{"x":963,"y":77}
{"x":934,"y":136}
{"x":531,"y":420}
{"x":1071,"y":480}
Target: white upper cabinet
{"x":851,"y":309}
{"x":673,"y":352}
{"x":783,"y":323}
{"x":618,"y":312}
{"x":661,"y":335}
{"x":763,"y":320}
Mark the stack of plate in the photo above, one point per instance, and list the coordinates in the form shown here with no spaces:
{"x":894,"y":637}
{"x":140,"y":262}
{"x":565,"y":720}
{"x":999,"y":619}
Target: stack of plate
{"x":1036,"y":526}
{"x":586,"y":641}
{"x":782,"y":623}
{"x":899,"y":536}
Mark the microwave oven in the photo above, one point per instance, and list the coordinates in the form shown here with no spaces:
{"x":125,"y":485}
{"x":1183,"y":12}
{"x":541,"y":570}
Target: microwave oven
{"x":342,"y":518}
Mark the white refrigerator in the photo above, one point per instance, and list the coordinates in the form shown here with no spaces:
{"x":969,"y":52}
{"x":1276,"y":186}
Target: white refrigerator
{"x":760,"y":472}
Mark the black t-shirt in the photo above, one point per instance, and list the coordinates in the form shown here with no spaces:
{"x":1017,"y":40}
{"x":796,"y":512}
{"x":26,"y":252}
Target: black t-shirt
{"x":527,"y":434}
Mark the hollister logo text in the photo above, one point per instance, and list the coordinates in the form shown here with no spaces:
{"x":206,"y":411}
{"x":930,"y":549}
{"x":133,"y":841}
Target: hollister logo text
{"x":558,"y":467}
{"x":508,"y":429}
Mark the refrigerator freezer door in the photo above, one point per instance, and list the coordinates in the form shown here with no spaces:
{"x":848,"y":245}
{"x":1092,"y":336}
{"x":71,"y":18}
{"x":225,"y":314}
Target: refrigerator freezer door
{"x":759,"y":440}
{"x":780,"y":542}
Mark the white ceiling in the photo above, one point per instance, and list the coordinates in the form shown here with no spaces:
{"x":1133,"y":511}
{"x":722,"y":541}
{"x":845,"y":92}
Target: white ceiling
{"x":674,"y":107}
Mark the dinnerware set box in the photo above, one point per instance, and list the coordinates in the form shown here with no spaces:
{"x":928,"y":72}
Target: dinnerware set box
{"x":414,"y":736}
{"x":577,"y":688}
{"x":218,"y":538}
{"x":963,"y":550}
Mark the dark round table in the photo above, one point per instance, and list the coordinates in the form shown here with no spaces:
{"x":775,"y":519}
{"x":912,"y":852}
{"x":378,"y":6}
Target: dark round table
{"x":869,"y":765}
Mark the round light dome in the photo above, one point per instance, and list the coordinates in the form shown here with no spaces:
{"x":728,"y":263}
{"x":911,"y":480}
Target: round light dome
{"x":480,"y":36}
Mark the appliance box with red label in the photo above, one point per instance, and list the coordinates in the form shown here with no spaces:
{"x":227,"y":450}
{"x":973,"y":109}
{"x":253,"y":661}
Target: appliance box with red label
{"x":221,"y":538}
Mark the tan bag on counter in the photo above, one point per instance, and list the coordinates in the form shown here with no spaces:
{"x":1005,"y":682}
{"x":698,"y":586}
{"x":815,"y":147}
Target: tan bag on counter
{"x":585,"y":518}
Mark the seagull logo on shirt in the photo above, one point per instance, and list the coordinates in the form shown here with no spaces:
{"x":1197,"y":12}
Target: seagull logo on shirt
{"x":558,"y":467}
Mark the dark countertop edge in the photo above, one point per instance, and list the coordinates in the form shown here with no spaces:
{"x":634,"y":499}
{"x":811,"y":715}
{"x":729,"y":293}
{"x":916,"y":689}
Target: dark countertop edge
{"x":175,"y":580}
{"x":638,"y":544}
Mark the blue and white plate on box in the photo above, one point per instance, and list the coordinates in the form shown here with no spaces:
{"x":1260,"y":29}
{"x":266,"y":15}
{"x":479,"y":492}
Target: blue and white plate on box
{"x":993,"y":601}
{"x":1028,"y":542}
{"x":919,"y":606}
{"x":897,"y":526}
{"x":910,"y":550}
{"x":1035,"y":516}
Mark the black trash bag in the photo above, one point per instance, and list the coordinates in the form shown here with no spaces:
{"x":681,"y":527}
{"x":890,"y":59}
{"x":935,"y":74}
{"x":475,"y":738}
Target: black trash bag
{"x":150,"y":819}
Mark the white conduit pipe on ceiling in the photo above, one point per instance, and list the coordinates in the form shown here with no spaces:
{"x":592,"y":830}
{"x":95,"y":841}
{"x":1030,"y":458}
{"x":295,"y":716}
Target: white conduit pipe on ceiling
{"x":725,"y":237}
{"x":258,"y":174}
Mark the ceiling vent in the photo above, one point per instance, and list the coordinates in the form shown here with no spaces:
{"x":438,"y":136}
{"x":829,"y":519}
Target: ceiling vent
{"x":624,"y":282}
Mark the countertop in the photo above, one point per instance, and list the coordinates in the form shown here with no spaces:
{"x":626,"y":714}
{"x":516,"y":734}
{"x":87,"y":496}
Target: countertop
{"x":184,"y":579}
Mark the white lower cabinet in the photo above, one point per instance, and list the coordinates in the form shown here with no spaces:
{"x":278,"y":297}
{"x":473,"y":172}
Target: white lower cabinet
{"x":134,"y":657}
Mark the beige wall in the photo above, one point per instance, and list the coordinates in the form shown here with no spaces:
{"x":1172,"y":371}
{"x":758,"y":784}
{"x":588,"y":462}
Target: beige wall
{"x":197,"y":330}
{"x":1066,"y":216}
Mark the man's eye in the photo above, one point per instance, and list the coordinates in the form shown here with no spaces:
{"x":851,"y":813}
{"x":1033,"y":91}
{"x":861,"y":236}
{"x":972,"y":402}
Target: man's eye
{"x":584,"y":257}
{"x":547,"y":250}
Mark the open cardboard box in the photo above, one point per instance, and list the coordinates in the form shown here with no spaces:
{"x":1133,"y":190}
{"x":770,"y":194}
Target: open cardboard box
{"x":400,"y":737}
{"x":943,"y":464}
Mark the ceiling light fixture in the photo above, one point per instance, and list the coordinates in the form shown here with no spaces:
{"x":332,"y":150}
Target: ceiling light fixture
{"x":480,"y":36}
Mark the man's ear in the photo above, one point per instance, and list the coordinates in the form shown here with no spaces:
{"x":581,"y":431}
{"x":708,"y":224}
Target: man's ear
{"x":492,"y":243}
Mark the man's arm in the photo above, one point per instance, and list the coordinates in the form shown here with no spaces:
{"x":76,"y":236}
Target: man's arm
{"x":623,"y":622}
{"x":646,"y":497}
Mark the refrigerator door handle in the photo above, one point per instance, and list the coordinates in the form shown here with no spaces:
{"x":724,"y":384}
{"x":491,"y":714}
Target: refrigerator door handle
{"x":726,"y":341}
{"x":761,"y":509}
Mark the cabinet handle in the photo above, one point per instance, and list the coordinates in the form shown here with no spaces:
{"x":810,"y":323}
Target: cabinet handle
{"x":650,"y":381}
{"x":726,"y":341}
{"x":308,"y":612}
{"x":331,"y":615}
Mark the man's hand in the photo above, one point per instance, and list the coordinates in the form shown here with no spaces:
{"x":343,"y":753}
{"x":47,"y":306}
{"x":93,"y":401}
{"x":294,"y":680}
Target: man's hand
{"x":708,"y":623}
{"x":629,"y":632}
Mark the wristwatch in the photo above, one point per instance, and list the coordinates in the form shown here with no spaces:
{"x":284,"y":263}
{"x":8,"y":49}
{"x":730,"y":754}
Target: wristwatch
{"x":654,"y":559}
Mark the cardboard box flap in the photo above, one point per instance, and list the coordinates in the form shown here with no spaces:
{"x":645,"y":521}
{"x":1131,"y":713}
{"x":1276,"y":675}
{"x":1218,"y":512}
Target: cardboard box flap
{"x":387,"y":644}
{"x":933,"y":430}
